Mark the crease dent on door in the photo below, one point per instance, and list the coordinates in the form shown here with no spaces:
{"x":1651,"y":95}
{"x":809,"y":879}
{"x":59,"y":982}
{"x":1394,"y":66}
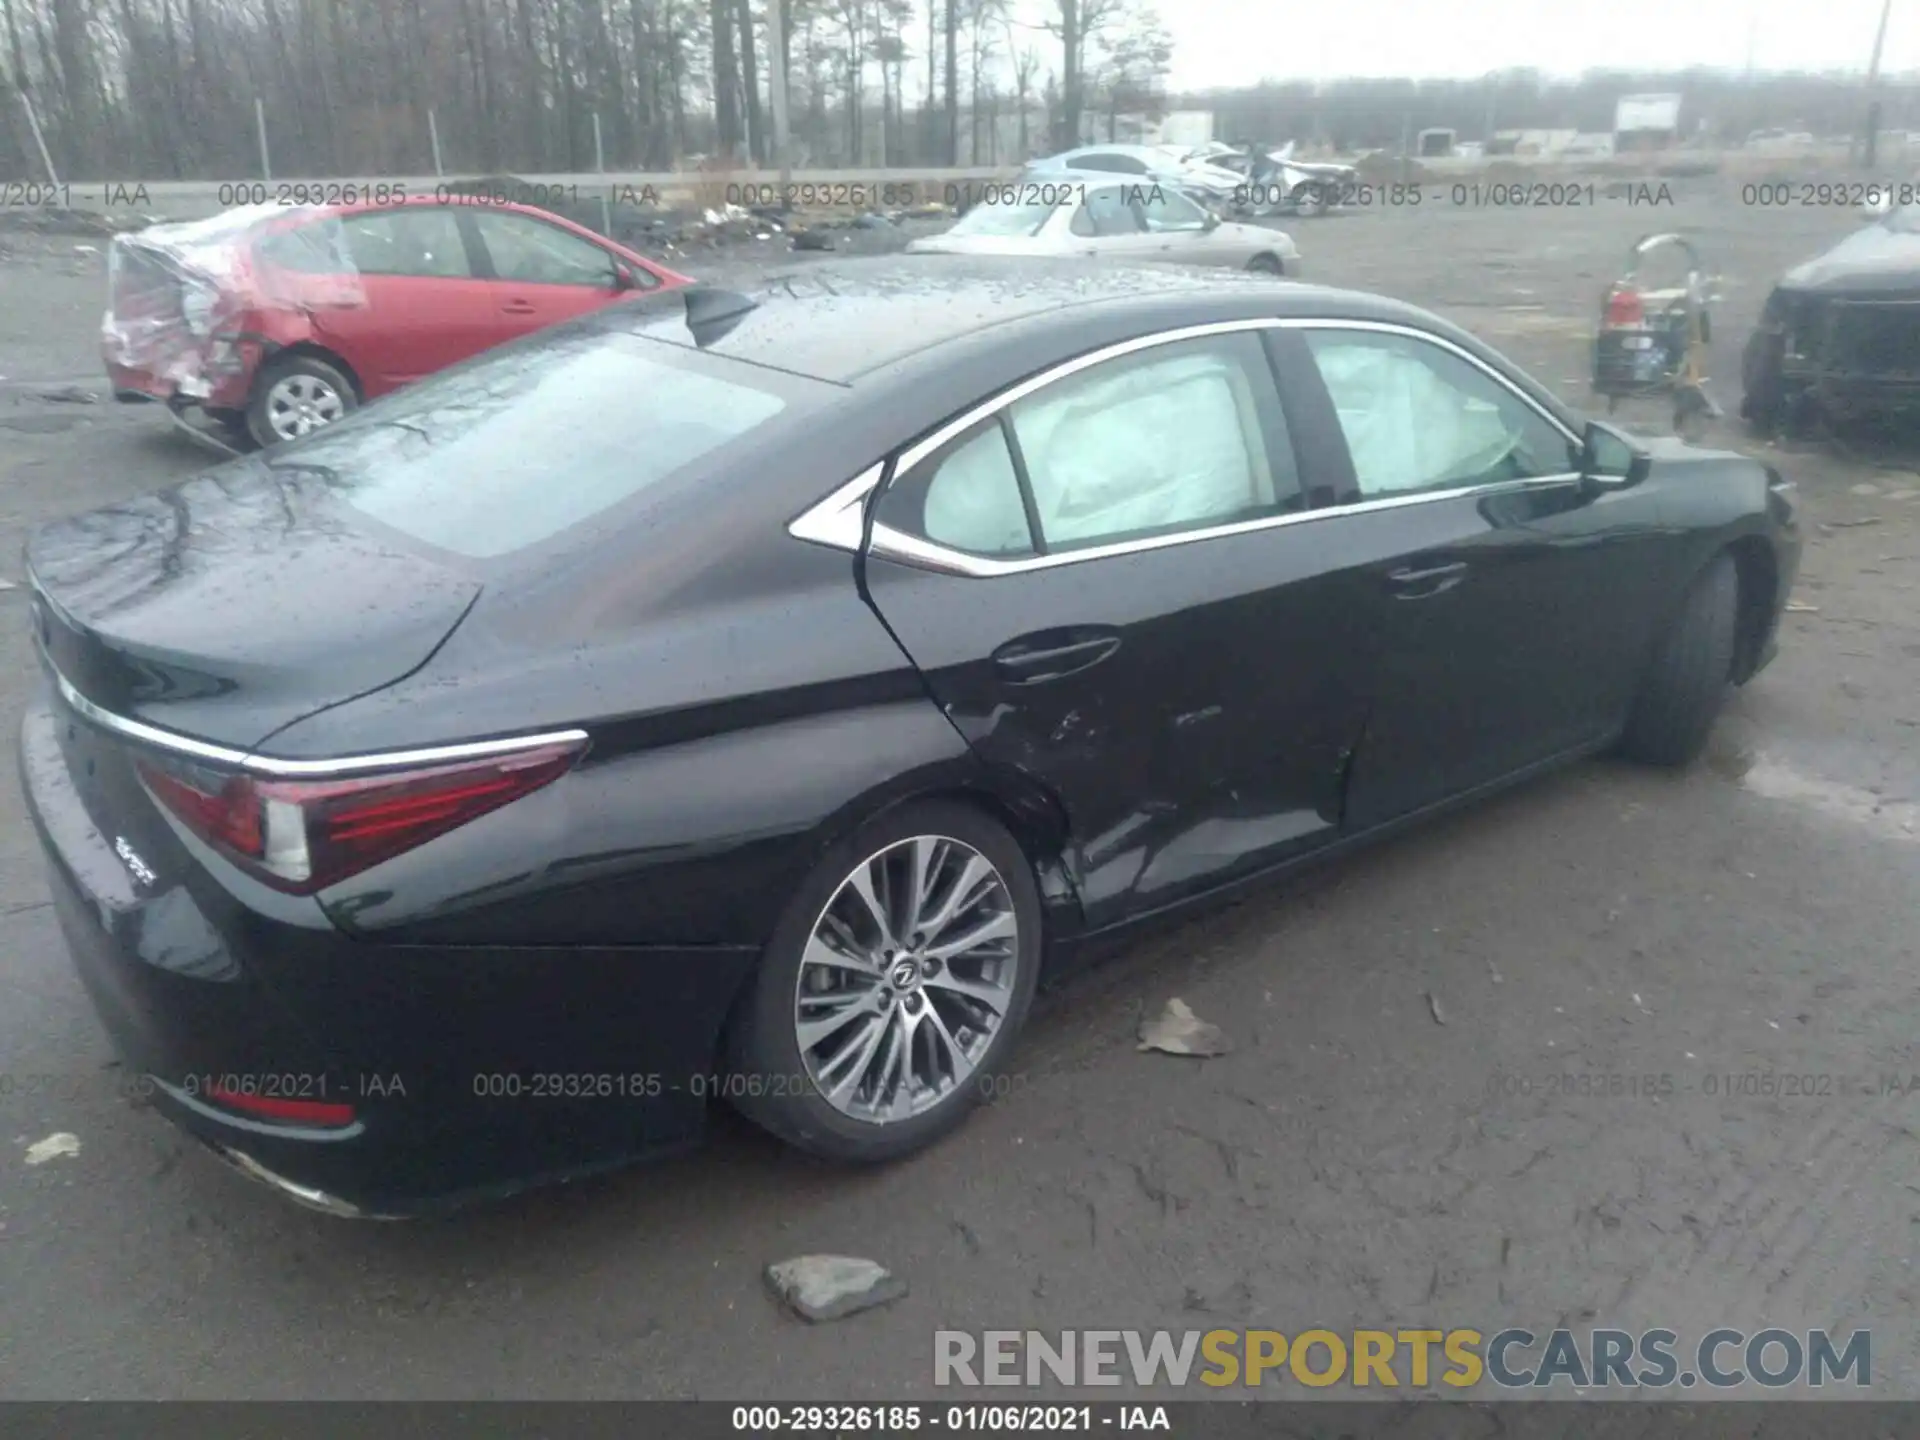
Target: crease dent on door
{"x":1199,"y":668}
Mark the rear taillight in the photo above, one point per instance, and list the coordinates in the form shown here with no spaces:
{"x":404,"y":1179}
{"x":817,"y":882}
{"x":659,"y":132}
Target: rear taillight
{"x":275,"y":1107}
{"x":1624,"y":306}
{"x":303,"y":835}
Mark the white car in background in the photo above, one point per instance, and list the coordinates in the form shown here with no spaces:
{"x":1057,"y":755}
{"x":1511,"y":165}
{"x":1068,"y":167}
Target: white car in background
{"x":1110,"y":217}
{"x":1163,"y":164}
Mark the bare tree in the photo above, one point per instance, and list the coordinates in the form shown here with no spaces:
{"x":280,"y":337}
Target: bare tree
{"x":749,"y":81}
{"x":950,"y":14}
{"x":983,"y":17}
{"x":1133,"y":67}
{"x":1026,"y":60}
{"x":853,"y":17}
{"x":726,"y":79}
{"x":1077,"y":23}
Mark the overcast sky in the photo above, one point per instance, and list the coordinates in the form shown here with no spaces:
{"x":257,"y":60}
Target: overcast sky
{"x":1240,"y":42}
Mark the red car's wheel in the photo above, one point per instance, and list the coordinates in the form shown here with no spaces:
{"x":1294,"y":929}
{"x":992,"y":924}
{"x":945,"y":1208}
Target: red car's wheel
{"x":295,"y":396}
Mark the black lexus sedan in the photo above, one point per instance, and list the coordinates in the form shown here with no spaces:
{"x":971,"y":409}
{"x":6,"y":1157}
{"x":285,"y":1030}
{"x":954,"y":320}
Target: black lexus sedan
{"x":748,"y":697}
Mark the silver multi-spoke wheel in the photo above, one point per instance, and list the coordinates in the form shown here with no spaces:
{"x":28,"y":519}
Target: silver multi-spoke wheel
{"x":300,"y":402}
{"x":906,"y":978}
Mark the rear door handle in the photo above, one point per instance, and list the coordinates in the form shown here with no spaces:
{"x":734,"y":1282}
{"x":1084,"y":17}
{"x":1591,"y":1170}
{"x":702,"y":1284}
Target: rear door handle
{"x":1411,"y":584}
{"x":517,"y":307}
{"x":1052,"y":655}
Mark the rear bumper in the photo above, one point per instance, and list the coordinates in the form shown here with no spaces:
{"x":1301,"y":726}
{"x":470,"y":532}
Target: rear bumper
{"x":181,"y":381}
{"x":464,"y":1073}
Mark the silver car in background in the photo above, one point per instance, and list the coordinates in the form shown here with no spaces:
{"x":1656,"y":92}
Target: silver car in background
{"x":1112,"y":218}
{"x":1211,"y":184}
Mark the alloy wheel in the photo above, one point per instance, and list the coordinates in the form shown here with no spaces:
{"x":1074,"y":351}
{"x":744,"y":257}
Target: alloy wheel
{"x":906,"y":979}
{"x":299,"y":403}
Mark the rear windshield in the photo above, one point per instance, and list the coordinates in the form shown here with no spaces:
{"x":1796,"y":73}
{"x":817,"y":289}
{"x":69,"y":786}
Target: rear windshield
{"x":504,"y":454}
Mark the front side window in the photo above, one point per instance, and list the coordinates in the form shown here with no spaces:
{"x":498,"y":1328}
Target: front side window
{"x":1106,"y":212}
{"x":533,"y":252}
{"x":1162,"y":209}
{"x":1419,"y":418}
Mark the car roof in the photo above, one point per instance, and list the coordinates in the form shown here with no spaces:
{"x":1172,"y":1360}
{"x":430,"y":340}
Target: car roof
{"x":1069,"y":184}
{"x":840,"y":320}
{"x":1143,"y":152}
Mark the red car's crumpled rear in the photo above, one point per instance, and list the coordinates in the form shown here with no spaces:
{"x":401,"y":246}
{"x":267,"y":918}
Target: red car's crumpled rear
{"x":183,"y":299}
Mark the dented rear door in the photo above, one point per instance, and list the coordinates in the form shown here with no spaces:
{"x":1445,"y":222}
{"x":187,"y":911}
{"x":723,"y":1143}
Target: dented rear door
{"x":1190,"y":690}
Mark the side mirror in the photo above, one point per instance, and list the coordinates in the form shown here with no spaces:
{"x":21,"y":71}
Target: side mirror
{"x":623,"y":277}
{"x":1212,"y":222}
{"x":1610,"y":459}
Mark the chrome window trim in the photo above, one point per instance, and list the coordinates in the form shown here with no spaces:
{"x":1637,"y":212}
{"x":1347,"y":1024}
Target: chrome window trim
{"x":908,"y":549}
{"x":282,"y":769}
{"x":839,"y":519}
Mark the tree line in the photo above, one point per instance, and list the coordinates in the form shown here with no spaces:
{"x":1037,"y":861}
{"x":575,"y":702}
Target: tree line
{"x":157,"y":89}
{"x":361,"y":88}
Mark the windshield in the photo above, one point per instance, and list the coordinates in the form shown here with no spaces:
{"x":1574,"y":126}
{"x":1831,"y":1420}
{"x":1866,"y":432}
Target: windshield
{"x":987,"y":218}
{"x":501,"y":455}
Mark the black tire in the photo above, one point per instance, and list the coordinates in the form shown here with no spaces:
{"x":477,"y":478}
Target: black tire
{"x":232,"y":427}
{"x":762,"y":1041}
{"x":1266,"y":264}
{"x":260,"y":420}
{"x":1687,"y":684}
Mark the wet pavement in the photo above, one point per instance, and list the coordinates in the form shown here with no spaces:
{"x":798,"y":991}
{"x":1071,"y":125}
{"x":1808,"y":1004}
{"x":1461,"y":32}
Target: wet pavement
{"x":1401,"y":1134}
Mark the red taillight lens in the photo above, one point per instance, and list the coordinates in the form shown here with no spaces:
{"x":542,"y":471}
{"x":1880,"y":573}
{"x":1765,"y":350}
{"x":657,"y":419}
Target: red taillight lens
{"x":276,"y":1107}
{"x":1624,"y":306}
{"x":302,"y":835}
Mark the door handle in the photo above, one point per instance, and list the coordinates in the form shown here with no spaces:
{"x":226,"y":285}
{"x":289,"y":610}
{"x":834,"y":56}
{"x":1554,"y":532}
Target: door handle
{"x":1051,"y":657}
{"x":1412,"y":584}
{"x":517,"y":307}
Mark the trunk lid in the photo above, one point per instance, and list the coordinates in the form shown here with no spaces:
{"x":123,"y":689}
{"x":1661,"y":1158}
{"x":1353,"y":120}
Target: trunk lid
{"x":230,"y":606}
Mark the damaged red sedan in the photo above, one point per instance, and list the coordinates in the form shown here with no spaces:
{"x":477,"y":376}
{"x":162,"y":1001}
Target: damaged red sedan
{"x":274,"y":320}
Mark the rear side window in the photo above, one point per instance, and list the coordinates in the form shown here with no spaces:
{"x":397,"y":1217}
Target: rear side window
{"x":1179,"y":437}
{"x":421,"y":241}
{"x":316,"y":248}
{"x":967,"y":498}
{"x":489,"y":458}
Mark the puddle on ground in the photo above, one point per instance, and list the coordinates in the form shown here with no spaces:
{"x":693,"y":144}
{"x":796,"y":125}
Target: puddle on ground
{"x":1773,"y":779}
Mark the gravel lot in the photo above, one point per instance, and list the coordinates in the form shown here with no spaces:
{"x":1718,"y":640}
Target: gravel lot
{"x":1351,"y":1163}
